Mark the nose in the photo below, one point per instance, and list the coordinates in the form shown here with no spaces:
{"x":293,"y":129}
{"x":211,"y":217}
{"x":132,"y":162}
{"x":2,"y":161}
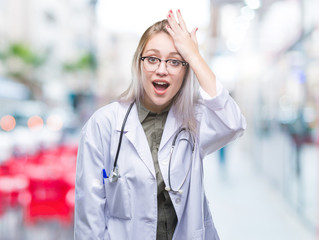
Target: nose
{"x":162,"y":68}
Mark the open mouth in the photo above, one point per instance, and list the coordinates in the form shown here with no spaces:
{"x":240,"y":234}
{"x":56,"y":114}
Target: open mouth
{"x":160,"y":86}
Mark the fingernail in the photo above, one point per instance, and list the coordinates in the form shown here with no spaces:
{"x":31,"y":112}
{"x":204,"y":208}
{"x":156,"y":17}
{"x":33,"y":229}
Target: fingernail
{"x":196,"y":29}
{"x":171,"y":11}
{"x":179,"y":11}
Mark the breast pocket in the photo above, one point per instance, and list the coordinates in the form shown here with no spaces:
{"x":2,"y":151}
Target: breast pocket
{"x":118,"y":200}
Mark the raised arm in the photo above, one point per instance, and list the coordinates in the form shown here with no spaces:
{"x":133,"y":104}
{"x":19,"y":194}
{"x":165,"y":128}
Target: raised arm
{"x":220,"y":118}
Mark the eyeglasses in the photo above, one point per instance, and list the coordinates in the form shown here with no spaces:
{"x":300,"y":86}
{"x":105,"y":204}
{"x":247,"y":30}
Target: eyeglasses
{"x":172,"y":65}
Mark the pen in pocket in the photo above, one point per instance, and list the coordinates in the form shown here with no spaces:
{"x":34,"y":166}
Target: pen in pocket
{"x":104,"y":174}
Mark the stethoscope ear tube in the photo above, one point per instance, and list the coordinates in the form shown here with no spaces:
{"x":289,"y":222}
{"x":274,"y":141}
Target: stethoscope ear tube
{"x":169,"y":187}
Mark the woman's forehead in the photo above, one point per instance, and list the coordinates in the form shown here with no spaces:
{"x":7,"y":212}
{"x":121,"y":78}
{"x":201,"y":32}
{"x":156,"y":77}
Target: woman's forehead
{"x":161,"y":43}
{"x":158,"y":52}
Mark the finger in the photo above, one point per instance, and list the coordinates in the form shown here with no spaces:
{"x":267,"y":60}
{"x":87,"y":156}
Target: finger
{"x":170,"y":31}
{"x":172,"y":21}
{"x":193,"y":35}
{"x":181,"y":20}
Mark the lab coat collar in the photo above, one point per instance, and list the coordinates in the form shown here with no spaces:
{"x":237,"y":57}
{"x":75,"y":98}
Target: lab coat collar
{"x":133,"y":130}
{"x":171,"y":126}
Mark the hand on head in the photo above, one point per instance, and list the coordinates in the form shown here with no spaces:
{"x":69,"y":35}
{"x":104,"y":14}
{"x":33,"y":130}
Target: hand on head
{"x":185,"y":42}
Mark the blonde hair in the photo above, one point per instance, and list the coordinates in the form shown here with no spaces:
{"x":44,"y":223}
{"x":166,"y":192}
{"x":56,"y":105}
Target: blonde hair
{"x":185,"y":99}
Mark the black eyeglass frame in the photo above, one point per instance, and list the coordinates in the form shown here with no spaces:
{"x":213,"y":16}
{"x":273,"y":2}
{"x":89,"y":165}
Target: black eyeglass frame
{"x":167,"y":60}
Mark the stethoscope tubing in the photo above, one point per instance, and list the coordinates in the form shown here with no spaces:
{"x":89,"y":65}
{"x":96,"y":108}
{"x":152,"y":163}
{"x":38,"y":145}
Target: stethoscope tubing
{"x":115,"y":173}
{"x":169,"y":187}
{"x":121,"y":136}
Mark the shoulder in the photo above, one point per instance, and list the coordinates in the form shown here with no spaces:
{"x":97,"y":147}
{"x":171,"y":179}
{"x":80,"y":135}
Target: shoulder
{"x":106,"y":112}
{"x":104,"y":117}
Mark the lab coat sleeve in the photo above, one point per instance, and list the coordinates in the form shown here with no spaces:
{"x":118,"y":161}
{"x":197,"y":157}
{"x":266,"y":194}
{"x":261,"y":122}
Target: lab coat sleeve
{"x":89,"y":221}
{"x":220,"y":121}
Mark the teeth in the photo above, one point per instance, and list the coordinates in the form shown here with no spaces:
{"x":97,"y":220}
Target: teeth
{"x":161,"y":83}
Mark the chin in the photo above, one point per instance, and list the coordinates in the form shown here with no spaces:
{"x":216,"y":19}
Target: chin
{"x":159,"y":103}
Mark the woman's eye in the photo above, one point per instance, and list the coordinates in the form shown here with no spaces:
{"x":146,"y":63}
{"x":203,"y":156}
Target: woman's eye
{"x":174,"y":63}
{"x":152,"y":60}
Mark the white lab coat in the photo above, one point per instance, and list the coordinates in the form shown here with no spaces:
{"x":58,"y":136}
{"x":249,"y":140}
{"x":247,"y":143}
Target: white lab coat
{"x":127,"y":209}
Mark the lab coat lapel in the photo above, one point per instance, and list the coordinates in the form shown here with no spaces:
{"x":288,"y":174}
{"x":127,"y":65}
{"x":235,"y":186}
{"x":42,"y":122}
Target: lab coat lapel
{"x":171,"y":126}
{"x":135,"y":134}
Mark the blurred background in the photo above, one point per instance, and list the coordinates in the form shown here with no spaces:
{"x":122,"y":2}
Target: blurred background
{"x":62,"y":60}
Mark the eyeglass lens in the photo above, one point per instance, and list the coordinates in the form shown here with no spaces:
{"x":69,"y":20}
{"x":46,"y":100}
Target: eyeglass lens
{"x":152,"y":64}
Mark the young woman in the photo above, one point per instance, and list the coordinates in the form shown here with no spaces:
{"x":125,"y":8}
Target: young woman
{"x":140,"y":168}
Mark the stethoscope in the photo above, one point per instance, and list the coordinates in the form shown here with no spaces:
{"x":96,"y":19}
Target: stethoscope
{"x":115,"y":172}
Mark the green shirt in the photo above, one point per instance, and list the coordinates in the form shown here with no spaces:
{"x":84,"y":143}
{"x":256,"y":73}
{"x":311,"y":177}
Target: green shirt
{"x":153,"y":125}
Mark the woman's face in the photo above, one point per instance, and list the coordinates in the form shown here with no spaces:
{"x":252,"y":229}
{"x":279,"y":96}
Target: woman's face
{"x":162,"y":84}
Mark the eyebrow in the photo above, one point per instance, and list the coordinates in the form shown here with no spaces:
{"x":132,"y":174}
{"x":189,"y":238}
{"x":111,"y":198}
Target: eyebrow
{"x":157,"y":51}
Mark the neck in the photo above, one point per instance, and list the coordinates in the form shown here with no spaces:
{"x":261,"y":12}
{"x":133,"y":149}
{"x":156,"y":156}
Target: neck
{"x":155,"y":108}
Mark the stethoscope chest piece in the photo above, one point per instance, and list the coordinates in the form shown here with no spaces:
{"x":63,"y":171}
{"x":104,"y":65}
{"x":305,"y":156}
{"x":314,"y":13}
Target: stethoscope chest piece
{"x":114,"y":176}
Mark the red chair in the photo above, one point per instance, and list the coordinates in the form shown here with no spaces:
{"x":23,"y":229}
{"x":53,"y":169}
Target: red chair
{"x":48,"y":201}
{"x":52,"y":181}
